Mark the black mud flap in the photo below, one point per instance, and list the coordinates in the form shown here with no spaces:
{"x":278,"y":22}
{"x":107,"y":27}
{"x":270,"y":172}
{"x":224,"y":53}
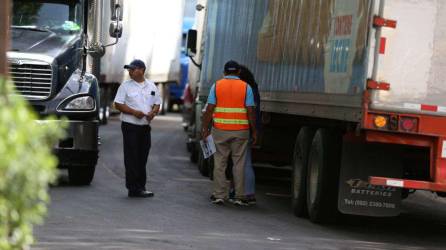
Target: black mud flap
{"x":356,"y":195}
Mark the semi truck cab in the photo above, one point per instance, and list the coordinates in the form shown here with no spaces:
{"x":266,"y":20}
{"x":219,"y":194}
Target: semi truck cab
{"x":48,"y":67}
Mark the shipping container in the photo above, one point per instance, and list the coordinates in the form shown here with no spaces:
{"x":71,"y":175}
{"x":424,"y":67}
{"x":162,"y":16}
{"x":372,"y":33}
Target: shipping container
{"x":352,"y":95}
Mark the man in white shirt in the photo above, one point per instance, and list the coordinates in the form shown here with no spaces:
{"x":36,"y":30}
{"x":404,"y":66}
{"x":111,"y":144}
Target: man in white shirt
{"x":139,"y":101}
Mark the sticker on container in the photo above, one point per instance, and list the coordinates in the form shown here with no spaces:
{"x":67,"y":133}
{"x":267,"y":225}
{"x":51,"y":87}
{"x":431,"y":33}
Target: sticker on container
{"x":412,"y":106}
{"x":441,"y":109}
{"x":443,"y":150}
{"x":395,"y":183}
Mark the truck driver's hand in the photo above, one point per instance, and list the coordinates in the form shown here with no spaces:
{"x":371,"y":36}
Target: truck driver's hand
{"x":205,"y":133}
{"x":138,"y":114}
{"x":150,"y":116}
{"x":254,"y":138}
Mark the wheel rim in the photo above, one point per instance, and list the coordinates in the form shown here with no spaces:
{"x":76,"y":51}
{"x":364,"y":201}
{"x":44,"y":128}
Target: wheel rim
{"x":313,"y":178}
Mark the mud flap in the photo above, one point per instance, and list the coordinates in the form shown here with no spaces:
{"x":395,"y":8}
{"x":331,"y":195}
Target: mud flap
{"x":359,"y":161}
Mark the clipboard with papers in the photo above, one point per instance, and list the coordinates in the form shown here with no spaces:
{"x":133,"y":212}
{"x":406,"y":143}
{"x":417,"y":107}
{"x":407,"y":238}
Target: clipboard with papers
{"x":208,"y":146}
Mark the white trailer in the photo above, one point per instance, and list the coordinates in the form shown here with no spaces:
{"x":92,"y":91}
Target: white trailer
{"x":153,"y":34}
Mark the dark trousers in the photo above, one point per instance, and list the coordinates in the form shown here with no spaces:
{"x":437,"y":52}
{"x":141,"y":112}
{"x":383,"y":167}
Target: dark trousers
{"x":137,"y":143}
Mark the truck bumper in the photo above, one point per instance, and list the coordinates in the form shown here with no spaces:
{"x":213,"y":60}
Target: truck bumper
{"x":80,"y":146}
{"x":437,"y":160}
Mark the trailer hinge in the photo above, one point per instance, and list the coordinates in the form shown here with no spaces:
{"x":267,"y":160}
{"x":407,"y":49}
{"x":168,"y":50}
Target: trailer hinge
{"x":382,"y":22}
{"x":371,"y":84}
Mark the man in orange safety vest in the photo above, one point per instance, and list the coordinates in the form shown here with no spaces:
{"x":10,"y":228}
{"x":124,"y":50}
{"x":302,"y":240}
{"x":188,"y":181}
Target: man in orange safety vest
{"x":231,"y":106}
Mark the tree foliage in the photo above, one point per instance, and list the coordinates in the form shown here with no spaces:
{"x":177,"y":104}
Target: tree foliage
{"x":26,"y":168}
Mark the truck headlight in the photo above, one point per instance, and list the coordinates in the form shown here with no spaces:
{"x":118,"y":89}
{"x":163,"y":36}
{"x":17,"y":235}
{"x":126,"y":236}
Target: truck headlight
{"x":82,"y":103}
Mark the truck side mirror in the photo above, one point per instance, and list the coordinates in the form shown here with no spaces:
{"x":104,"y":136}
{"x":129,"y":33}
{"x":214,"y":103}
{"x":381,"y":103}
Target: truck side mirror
{"x":116,"y":7}
{"x":115,"y":30}
{"x":191,"y":43}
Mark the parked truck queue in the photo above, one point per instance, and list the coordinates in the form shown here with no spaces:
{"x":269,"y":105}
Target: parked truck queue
{"x":352,"y":96}
{"x":352,"y":92}
{"x":351,"y":131}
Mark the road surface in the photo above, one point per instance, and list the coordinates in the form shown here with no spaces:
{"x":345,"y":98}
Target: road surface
{"x":180,"y":216}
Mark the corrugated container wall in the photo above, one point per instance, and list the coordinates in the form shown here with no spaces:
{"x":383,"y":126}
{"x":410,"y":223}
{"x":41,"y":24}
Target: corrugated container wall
{"x":329,"y":48}
{"x":316,"y":46}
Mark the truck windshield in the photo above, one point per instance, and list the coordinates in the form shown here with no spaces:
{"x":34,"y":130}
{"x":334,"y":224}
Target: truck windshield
{"x":48,"y":15}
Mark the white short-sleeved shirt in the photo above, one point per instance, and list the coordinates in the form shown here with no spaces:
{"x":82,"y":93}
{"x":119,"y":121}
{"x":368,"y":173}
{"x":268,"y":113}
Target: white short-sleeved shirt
{"x":139,"y":96}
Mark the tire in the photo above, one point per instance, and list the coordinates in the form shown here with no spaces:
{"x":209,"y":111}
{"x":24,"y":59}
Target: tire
{"x":165,"y":101}
{"x":300,"y":166}
{"x":104,"y":119}
{"x":104,"y":100}
{"x":323,"y":176}
{"x":81,"y":175}
{"x":211,"y":168}
{"x":194,"y":153}
{"x":170,"y":106}
{"x":189,"y":147}
{"x":203,"y":164}
{"x":166,"y":105}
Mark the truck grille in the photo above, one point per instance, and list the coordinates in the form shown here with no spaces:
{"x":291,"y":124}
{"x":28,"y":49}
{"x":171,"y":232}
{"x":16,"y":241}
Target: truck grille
{"x":32,"y":80}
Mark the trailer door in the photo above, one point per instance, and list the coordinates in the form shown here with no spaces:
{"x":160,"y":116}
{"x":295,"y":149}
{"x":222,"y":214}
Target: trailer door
{"x":409,"y":55}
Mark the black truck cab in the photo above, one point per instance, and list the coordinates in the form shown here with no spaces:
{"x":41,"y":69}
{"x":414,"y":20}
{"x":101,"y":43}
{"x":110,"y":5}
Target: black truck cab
{"x":48,"y":67}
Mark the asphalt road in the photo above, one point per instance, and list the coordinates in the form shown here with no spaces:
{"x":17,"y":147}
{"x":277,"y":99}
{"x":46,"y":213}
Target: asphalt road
{"x":180,"y":215}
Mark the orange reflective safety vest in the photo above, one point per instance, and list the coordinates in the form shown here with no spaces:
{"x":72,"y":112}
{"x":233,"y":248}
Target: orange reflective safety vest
{"x":230,"y":112}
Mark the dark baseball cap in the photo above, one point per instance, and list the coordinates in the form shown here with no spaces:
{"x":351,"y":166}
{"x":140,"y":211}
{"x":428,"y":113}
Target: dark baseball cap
{"x":135,"y":64}
{"x":232,"y":66}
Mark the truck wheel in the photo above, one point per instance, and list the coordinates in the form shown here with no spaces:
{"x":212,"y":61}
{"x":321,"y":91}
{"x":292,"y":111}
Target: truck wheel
{"x":300,"y":166}
{"x":194,"y":153}
{"x":165,"y":106}
{"x":323,"y":176}
{"x":81,"y":175}
{"x":203,"y":164}
{"x":170,"y":106}
{"x":211,"y":168}
{"x":165,"y":98}
{"x":104,"y":117}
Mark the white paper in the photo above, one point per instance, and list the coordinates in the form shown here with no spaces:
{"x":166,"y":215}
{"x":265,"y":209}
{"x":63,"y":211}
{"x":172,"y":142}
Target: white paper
{"x":208,"y":146}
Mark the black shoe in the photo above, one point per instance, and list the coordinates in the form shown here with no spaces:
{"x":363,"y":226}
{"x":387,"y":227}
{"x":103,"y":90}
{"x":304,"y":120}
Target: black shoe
{"x":218,"y":201}
{"x":141,"y":194}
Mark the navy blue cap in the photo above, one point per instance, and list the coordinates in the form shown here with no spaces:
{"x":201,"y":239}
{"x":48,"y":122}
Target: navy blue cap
{"x":135,"y":64}
{"x":232,"y":66}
